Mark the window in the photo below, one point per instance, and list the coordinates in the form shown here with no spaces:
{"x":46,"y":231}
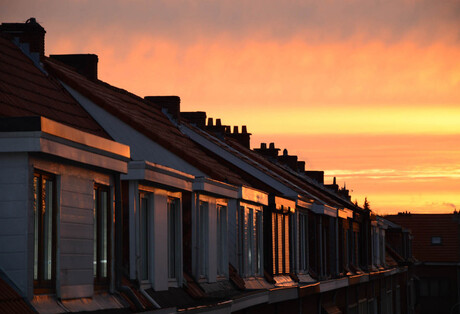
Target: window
{"x":101,"y":241}
{"x":303,"y":242}
{"x":222,"y":265}
{"x":144,"y":223}
{"x":280,"y":244}
{"x":250,"y":247}
{"x":44,"y":232}
{"x":250,"y":241}
{"x":436,"y":240}
{"x":203,"y":239}
{"x":258,"y":244}
{"x":173,"y":239}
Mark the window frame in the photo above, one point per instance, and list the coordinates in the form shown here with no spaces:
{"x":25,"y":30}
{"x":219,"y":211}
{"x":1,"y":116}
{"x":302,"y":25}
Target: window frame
{"x":222,"y":239}
{"x":174,"y":249}
{"x":245,"y":231}
{"x":101,"y":281}
{"x":41,"y":285}
{"x":281,"y":243}
{"x":145,"y":236}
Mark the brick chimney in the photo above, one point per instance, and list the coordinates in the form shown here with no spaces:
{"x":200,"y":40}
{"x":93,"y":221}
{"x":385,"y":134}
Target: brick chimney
{"x":218,"y":129}
{"x":197,"y":118}
{"x":288,"y":160}
{"x":170,"y":103}
{"x":270,"y":152}
{"x":29,"y":32}
{"x":316,"y":175}
{"x":85,"y":64}
{"x":301,"y":166}
{"x":244,"y":138}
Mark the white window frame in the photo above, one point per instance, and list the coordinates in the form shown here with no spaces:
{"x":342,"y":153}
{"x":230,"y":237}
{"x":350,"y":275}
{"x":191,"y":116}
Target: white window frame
{"x":247,"y":237}
{"x":222,"y":239}
{"x":146,"y":240}
{"x":173,"y":281}
{"x":303,"y":243}
{"x":203,"y":238}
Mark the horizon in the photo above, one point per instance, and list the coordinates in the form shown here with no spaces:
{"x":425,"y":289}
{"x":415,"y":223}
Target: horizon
{"x":366,"y":91}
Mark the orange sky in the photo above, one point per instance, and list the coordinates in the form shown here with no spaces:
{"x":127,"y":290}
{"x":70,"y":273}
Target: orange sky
{"x":368,"y":91}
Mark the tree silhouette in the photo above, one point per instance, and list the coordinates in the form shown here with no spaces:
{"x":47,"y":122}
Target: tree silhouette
{"x":366,"y":204}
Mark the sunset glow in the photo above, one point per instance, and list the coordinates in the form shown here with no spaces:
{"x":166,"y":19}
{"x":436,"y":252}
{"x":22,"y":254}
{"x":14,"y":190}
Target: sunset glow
{"x":367,"y":91}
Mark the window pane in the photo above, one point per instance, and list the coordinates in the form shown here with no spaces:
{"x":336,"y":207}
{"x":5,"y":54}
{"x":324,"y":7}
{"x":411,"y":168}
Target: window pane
{"x":36,"y":216}
{"x":95,"y":238}
{"x":171,"y":238}
{"x":44,"y":245}
{"x":250,"y":240}
{"x":104,"y":234}
{"x":258,"y":243}
{"x":101,"y":234}
{"x":144,"y":237}
{"x":48,"y":230}
{"x":203,"y":238}
{"x":221,"y":239}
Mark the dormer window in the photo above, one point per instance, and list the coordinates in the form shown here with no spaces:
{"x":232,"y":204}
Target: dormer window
{"x":436,"y":240}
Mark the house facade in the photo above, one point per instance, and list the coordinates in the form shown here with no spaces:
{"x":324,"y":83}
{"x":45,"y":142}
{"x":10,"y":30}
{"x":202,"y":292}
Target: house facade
{"x":128,"y":202}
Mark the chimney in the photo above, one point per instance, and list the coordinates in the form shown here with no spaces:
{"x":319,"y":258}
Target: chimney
{"x":244,"y":138}
{"x":318,"y":176}
{"x":218,"y":130}
{"x":288,"y":160}
{"x":333,"y":186}
{"x":270,"y":152}
{"x":29,"y":32}
{"x":170,"y":103}
{"x":197,"y":118}
{"x":301,"y":166}
{"x":85,"y":64}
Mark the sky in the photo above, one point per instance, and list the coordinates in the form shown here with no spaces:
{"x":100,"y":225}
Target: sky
{"x":366,"y":90}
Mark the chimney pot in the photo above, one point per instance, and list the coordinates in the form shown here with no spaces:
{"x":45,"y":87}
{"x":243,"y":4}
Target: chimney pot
{"x":218,"y":122}
{"x":210,"y":122}
{"x":244,"y":130}
{"x":263,"y":145}
{"x":29,"y":32}
{"x":272,"y":145}
{"x":235,"y":129}
{"x":285,"y":152}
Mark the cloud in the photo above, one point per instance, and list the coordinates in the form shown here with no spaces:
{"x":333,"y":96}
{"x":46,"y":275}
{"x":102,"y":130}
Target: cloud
{"x":314,"y":21}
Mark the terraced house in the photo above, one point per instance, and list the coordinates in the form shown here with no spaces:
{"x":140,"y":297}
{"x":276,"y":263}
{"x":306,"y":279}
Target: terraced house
{"x":111,"y":201}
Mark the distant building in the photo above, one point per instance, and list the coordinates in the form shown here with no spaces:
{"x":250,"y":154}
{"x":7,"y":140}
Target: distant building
{"x":436,"y":246}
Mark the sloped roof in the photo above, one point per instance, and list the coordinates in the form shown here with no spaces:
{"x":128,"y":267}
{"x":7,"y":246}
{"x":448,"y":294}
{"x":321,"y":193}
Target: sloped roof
{"x":269,"y":168}
{"x":425,"y":226}
{"x":27,"y":91}
{"x":146,"y":118}
{"x":10,"y":300}
{"x":303,"y":182}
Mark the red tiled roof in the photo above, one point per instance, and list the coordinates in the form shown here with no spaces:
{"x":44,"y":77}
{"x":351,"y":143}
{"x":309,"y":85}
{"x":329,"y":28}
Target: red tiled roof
{"x":146,"y":118}
{"x":11,"y":301}
{"x":26,"y":91}
{"x":425,"y":226}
